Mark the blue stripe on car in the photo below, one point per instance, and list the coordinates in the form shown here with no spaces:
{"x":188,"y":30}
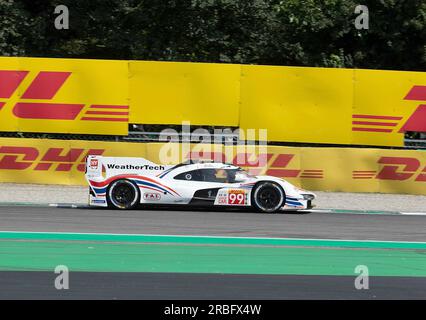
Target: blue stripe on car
{"x":293,"y":203}
{"x":99,"y":190}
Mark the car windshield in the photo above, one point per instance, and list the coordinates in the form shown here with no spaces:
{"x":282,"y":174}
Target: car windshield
{"x":238,"y":175}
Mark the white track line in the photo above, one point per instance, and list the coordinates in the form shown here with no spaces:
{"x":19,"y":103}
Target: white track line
{"x":414,"y":213}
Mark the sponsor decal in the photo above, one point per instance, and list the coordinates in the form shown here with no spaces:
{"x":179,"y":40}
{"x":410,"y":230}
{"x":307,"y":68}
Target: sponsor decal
{"x":389,"y":124}
{"x":133,"y":167}
{"x":98,"y":201}
{"x":152,"y":196}
{"x":44,"y":87}
{"x":232,"y":197}
{"x":374,"y":123}
{"x":61,"y":159}
{"x":222,"y":197}
{"x":395,"y":168}
{"x":94,"y":163}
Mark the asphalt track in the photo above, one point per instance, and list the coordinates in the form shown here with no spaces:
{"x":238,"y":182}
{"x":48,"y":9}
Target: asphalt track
{"x":176,"y":286}
{"x":216,"y":223}
{"x":152,"y":285}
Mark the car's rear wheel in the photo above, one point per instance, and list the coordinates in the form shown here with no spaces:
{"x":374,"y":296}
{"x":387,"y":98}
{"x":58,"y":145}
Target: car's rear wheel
{"x":268,"y":197}
{"x":123,"y":194}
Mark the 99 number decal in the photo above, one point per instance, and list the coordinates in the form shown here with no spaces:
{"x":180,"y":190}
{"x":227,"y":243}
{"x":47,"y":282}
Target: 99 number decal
{"x":237,"y":197}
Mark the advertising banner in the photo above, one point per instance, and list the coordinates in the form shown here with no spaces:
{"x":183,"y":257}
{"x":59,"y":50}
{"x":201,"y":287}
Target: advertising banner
{"x":327,"y":169}
{"x":294,"y":104}
{"x":64,"y":96}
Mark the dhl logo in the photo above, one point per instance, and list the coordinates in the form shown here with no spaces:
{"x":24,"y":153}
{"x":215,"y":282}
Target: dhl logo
{"x":275,"y":164}
{"x":44,"y":87}
{"x":61,"y":159}
{"x":388,"y":124}
{"x":395,"y":168}
{"x":22,"y":158}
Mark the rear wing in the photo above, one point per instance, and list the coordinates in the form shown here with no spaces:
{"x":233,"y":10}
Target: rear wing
{"x":105,"y":167}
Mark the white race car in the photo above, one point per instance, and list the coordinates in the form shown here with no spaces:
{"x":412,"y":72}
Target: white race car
{"x":124,"y":183}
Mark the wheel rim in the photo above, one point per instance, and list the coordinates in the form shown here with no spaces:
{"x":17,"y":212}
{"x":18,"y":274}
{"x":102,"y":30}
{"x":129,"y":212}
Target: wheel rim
{"x":123,"y":195}
{"x":268,"y":198}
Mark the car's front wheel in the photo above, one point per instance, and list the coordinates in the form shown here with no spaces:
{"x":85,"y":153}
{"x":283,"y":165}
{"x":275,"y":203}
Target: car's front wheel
{"x":268,"y":197}
{"x":123,"y":194}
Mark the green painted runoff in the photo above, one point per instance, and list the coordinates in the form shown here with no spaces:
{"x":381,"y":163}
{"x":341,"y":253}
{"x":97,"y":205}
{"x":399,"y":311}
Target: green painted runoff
{"x":151,"y":253}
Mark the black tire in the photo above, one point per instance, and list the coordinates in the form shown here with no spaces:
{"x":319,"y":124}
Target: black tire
{"x":123,"y":194}
{"x":268,"y":197}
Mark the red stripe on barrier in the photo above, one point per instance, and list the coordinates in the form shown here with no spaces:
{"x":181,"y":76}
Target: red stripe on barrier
{"x":283,"y":173}
{"x":367,"y":123}
{"x":108,"y":113}
{"x":363,"y":175}
{"x":372,"y":130}
{"x":105,"y":119}
{"x":10,"y":81}
{"x":417,"y":121}
{"x":53,"y":111}
{"x":365,"y":116}
{"x":416,"y":93}
{"x":46,"y":85}
{"x":282,"y":160}
{"x":98,"y":106}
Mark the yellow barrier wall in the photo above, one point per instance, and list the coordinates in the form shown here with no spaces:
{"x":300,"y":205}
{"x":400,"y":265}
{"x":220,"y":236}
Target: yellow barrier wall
{"x":172,"y":92}
{"x":312,"y":105}
{"x":64,"y":96}
{"x":297,"y":104}
{"x":328,"y":169}
{"x":337,"y":106}
{"x":382,"y":104}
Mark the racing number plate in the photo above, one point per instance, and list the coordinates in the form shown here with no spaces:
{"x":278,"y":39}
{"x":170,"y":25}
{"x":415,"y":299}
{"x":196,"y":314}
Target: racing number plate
{"x":237,"y":197}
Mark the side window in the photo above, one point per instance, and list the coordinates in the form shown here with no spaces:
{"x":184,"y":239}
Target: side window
{"x":209,"y":175}
{"x":216,"y":175}
{"x":194,"y":175}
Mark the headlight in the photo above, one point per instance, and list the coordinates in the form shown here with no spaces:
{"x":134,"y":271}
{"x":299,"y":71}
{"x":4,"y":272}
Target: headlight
{"x":308,"y":196}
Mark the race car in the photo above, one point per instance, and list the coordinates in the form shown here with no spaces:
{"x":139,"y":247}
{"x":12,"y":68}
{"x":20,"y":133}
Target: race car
{"x":125,"y":183}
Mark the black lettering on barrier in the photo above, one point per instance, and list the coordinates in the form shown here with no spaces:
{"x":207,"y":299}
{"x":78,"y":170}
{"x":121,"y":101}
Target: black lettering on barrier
{"x":132,"y":167}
